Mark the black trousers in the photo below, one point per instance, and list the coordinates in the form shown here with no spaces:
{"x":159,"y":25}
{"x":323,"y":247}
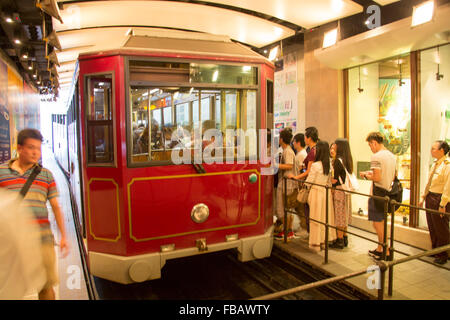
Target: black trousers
{"x":438,"y":227}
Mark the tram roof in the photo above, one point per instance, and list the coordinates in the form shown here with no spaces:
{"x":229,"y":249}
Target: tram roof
{"x":180,"y":42}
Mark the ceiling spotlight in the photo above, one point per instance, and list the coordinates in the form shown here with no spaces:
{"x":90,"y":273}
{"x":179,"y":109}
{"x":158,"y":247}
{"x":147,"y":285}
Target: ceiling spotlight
{"x":30,"y":65}
{"x":422,"y":13}
{"x":17,"y":36}
{"x":330,"y":38}
{"x":273,"y":53}
{"x":24,"y":53}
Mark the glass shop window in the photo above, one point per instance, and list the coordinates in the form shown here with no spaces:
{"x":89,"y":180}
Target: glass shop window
{"x":99,"y":120}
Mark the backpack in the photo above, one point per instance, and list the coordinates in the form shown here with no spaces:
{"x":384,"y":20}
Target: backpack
{"x":351,"y":183}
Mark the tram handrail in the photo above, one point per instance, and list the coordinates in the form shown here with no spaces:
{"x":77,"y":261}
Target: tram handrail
{"x":388,"y":204}
{"x":383,"y":265}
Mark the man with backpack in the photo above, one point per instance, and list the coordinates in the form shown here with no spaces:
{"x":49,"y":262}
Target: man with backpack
{"x":382,"y":173}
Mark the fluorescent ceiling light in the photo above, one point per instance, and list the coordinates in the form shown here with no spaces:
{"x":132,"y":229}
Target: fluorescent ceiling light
{"x":273,"y":53}
{"x":422,"y":13}
{"x":330,"y":38}
{"x":215,"y":75}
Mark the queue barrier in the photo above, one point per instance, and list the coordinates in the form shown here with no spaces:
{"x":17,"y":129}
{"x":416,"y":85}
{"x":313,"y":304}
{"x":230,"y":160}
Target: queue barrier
{"x":383,"y":264}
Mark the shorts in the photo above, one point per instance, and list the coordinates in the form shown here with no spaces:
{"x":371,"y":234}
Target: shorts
{"x":49,"y":261}
{"x":375,"y":214}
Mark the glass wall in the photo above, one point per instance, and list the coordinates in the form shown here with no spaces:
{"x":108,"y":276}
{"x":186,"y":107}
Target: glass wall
{"x":435,"y":108}
{"x":379,"y":97}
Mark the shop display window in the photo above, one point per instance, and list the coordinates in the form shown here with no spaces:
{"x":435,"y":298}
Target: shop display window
{"x":380,"y":100}
{"x":435,"y":108}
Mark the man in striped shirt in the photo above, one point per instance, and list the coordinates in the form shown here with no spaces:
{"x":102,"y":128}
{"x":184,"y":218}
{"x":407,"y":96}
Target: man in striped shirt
{"x":13,"y":176}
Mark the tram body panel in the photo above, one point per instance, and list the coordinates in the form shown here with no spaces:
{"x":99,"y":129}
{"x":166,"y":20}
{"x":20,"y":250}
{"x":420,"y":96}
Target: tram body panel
{"x":133,"y":212}
{"x":161,"y":201}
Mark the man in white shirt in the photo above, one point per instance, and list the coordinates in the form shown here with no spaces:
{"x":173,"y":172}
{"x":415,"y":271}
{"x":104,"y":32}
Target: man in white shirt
{"x":299,"y":145}
{"x":285,"y":169}
{"x":382,"y":173}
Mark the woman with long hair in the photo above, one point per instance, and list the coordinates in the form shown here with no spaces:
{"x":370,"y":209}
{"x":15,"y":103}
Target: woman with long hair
{"x":342,"y":207}
{"x":320,"y":174}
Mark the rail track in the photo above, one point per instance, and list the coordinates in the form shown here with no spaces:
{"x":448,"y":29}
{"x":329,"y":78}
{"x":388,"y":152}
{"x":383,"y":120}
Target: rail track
{"x":220,"y":276}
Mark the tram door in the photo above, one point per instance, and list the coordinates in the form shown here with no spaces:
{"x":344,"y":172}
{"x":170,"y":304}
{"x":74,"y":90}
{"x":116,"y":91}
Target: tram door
{"x":103,"y":177}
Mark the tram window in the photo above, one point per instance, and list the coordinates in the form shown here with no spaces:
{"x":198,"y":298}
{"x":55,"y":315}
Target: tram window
{"x":100,"y":141}
{"x":183,"y":112}
{"x":226,"y":74}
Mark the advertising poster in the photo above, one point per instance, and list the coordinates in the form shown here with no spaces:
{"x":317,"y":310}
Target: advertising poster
{"x":5,"y":142}
{"x":15,"y":107}
{"x":285,"y":94}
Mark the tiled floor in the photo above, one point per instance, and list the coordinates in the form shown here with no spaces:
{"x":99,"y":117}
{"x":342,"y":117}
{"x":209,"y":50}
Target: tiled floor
{"x":416,"y":280}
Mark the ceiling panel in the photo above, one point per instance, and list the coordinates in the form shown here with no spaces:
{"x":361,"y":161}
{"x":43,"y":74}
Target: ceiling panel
{"x":385,"y":2}
{"x":238,"y":26}
{"x":304,"y":13}
{"x":390,"y":40}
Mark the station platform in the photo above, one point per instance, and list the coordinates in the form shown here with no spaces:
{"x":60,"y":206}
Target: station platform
{"x":413,"y":280}
{"x":72,"y":284}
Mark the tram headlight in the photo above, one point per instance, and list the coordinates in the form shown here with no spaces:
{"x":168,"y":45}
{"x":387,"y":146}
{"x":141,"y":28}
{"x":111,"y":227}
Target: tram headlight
{"x":199,"y":213}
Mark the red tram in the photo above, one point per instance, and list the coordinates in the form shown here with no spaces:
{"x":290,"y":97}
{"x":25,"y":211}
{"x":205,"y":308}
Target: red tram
{"x":138,"y":208}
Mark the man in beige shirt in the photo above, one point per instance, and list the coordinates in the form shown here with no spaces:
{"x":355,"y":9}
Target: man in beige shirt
{"x":437,"y":197}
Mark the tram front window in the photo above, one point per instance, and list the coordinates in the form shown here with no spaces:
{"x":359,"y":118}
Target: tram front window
{"x":164,"y":119}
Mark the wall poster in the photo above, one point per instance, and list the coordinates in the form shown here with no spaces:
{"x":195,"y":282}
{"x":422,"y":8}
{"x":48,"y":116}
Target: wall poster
{"x":285,"y":94}
{"x":5,"y":139}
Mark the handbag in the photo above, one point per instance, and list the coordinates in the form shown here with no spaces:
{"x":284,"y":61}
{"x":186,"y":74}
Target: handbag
{"x":303,"y":194}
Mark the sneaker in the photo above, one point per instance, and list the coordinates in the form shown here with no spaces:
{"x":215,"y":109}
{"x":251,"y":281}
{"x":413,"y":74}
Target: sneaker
{"x":279,"y":236}
{"x":291,"y":235}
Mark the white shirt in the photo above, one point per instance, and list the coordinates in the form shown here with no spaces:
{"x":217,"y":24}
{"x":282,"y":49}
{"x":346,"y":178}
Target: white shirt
{"x":298,"y":163}
{"x":384,"y":160}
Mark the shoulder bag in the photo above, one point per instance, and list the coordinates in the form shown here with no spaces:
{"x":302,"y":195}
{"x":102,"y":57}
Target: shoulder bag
{"x":37,"y":169}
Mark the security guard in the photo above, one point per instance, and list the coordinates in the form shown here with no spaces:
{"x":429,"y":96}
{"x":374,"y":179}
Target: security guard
{"x":437,"y":197}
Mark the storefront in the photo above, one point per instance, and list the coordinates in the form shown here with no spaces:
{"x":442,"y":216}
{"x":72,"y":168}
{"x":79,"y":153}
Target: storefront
{"x":380,"y":98}
{"x":397,"y":82}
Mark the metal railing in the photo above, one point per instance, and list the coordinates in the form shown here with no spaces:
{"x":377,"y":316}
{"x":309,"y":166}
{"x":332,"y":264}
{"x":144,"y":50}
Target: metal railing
{"x":389,"y":206}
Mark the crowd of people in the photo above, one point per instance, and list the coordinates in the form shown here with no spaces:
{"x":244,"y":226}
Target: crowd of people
{"x":308,"y":164}
{"x":314,"y":163}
